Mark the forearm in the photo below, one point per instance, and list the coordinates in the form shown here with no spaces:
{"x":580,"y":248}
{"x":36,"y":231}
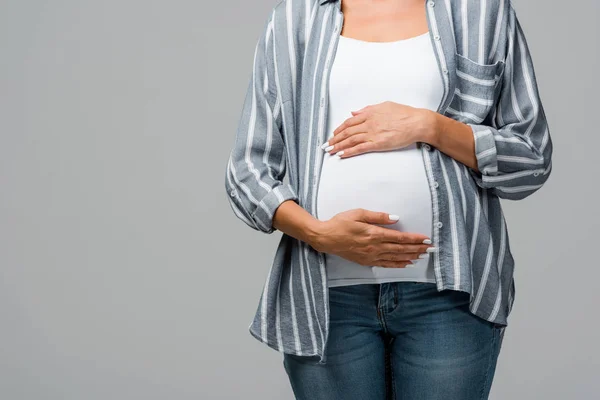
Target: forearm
{"x":453,"y":138}
{"x":510,"y":164}
{"x":295,"y":221}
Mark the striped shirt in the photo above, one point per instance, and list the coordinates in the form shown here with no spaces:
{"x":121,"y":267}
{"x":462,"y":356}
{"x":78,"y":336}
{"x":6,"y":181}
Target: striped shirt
{"x":489,"y":84}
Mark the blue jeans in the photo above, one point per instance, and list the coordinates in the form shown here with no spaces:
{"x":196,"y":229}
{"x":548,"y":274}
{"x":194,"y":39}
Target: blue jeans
{"x":400,"y":340}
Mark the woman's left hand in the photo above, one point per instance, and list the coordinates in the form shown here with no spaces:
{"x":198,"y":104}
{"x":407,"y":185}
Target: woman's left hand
{"x":381,"y":127}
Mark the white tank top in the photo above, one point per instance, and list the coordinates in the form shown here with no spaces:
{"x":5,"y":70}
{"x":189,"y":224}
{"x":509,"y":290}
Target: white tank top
{"x":395,"y":181}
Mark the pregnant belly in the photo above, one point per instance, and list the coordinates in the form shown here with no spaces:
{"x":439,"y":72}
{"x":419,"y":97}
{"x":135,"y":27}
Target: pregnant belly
{"x":394,"y":182}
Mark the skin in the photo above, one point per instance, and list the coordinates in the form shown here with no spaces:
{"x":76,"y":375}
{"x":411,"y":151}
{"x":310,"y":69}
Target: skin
{"x":378,"y":127}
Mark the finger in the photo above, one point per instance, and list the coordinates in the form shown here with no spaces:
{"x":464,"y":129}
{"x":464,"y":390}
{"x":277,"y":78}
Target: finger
{"x":415,"y":248}
{"x":348,"y":133}
{"x":386,"y":235}
{"x":394,"y":256}
{"x":360,"y":148}
{"x":351,"y":130}
{"x":375,"y":217}
{"x":394,"y":236}
{"x":411,"y":247}
{"x":351,"y":141}
{"x":355,"y":120}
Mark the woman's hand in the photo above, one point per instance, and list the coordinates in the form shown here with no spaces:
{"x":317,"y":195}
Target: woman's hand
{"x":381,"y":127}
{"x":351,"y":235}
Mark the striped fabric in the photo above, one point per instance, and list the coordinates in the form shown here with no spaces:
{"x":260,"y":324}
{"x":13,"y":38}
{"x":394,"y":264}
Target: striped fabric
{"x":489,"y":84}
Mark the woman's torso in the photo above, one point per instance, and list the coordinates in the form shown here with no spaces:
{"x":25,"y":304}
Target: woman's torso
{"x":395,"y":182}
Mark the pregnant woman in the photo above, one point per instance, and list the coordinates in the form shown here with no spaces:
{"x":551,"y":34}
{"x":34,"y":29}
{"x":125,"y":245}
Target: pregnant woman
{"x":400,"y":125}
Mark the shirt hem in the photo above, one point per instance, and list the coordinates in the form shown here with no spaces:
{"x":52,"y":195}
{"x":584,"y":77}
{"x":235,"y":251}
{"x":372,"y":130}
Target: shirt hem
{"x":500,"y":321}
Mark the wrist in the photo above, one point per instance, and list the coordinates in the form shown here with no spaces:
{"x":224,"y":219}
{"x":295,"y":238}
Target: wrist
{"x":432,"y":127}
{"x":313,"y":231}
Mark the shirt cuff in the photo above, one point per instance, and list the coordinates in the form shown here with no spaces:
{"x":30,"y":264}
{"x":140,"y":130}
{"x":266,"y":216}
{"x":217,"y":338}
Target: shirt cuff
{"x":485,"y":149}
{"x":268,"y":205}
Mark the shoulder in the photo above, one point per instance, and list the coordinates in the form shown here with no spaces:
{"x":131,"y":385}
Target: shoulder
{"x":474,"y":12}
{"x":487,"y":9}
{"x":477,"y":22}
{"x":492,"y":5}
{"x":294,"y":11}
{"x":292,"y":22}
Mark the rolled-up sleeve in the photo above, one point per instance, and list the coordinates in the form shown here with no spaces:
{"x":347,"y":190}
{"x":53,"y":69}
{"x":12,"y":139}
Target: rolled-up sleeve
{"x":514,"y":155}
{"x":257,"y":162}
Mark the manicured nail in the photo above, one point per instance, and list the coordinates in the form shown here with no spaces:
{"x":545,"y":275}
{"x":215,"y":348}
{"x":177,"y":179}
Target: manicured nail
{"x":431,"y":249}
{"x":326,"y":144}
{"x":339,"y":153}
{"x":427,"y":241}
{"x":329,"y":148}
{"x":394,"y":217}
{"x":410,"y":265}
{"x":423,"y":255}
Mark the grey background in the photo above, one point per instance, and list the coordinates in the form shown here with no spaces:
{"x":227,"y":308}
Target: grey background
{"x":124,"y":274}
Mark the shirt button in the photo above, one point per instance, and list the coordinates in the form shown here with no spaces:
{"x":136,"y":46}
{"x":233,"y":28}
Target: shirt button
{"x":435,"y":184}
{"x":426,"y":146}
{"x":437,"y":37}
{"x":430,"y":3}
{"x":445,"y":71}
{"x":536,"y":173}
{"x":232,"y":193}
{"x":439,"y":224}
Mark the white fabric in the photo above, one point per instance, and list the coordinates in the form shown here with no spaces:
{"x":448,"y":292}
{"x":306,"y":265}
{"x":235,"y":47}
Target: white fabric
{"x":394,"y":181}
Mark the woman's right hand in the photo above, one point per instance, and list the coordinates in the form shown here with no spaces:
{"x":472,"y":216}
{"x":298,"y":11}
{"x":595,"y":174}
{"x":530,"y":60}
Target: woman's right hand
{"x":352,"y":235}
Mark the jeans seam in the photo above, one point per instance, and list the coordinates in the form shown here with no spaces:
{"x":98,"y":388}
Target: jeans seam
{"x":381,"y":318}
{"x":490,"y":360}
{"x":381,"y":312}
{"x":294,"y":389}
{"x":393,"y":382}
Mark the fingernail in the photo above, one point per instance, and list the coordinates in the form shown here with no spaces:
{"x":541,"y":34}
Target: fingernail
{"x":431,"y":249}
{"x":423,"y":256}
{"x":427,"y":241}
{"x":325,"y":145}
{"x":410,"y":265}
{"x":394,"y":217}
{"x":328,"y":148}
{"x":339,"y":153}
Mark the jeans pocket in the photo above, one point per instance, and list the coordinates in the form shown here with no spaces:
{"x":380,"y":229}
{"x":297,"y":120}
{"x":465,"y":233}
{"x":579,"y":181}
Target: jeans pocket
{"x":498,"y":326}
{"x":499,"y":330}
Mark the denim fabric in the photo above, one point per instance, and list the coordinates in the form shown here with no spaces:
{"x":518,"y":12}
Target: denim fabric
{"x":400,"y":340}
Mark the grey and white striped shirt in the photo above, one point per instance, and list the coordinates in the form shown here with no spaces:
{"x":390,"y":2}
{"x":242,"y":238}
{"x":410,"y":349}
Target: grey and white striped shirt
{"x":489,"y":84}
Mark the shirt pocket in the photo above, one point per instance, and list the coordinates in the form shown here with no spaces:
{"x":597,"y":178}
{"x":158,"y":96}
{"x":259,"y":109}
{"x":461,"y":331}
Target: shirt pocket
{"x":476,"y":89}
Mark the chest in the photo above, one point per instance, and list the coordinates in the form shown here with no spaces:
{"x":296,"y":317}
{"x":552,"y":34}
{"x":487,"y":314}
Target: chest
{"x":471,"y":84}
{"x":383,"y":23}
{"x":403,"y":71}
